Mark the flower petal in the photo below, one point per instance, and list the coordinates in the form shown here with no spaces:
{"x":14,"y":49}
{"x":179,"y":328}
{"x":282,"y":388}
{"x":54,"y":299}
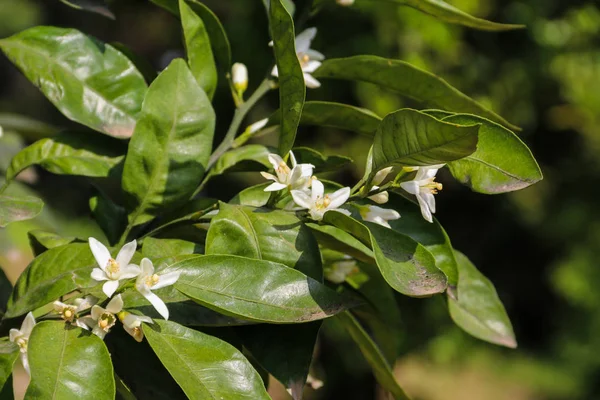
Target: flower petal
{"x":28,"y":324}
{"x":167,"y":280}
{"x":425,"y":212}
{"x":110,"y":287}
{"x":81,"y":324}
{"x":314,"y":55}
{"x":275,"y":72}
{"x":302,"y":199}
{"x":430,"y":200}
{"x":98,"y":275}
{"x":14,"y":334}
{"x":293,"y":159}
{"x":317,"y":190}
{"x":147,"y":267}
{"x":338,"y":198}
{"x":131,"y":271}
{"x":304,"y":39}
{"x":158,"y":304}
{"x":311,"y":66}
{"x":115,"y":305}
{"x":25,"y":362}
{"x":341,"y":210}
{"x":275,"y":160}
{"x":311,"y":82}
{"x":99,"y":332}
{"x":100,"y":252}
{"x":411,"y":187}
{"x":96,"y":312}
{"x":266,"y":175}
{"x":275,"y":186}
{"x":126,"y":253}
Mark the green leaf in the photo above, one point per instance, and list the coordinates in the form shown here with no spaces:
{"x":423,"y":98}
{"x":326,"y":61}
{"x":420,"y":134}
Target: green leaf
{"x":245,"y":158}
{"x":253,"y":196}
{"x":408,"y":80}
{"x":430,"y":235}
{"x":14,"y":209}
{"x":9,"y":352}
{"x":381,"y":368}
{"x":405,"y":264}
{"x":94,"y":6}
{"x":88,"y":81}
{"x":285,"y":351}
{"x":448,"y":13}
{"x":169,"y":151}
{"x":111,"y":217}
{"x":335,"y":115}
{"x":5,"y":290}
{"x":502,"y":162}
{"x":272,"y":235}
{"x":339,"y":240}
{"x":199,"y":52}
{"x":292,"y":90}
{"x":256,"y":290}
{"x":475,"y":307}
{"x":70,"y":154}
{"x":411,"y":138}
{"x":50,"y":276}
{"x":40,"y":240}
{"x":160,"y":248}
{"x":68,"y":363}
{"x":204,"y":366}
{"x":322,"y":163}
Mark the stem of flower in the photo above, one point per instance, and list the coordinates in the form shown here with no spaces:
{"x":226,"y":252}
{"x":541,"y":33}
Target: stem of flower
{"x":238,"y":117}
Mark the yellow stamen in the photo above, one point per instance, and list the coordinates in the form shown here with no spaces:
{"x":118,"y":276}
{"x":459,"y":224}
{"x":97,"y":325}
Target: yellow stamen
{"x":433,"y":186}
{"x":112,"y":268}
{"x":326,"y":201}
{"x":68,"y":314}
{"x":152,"y":280}
{"x":103,"y":323}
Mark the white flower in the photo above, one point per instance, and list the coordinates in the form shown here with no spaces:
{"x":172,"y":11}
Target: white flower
{"x":133,"y":324}
{"x":70,"y":312}
{"x":382,"y":197}
{"x":378,"y":215}
{"x":340,"y":270}
{"x":112,"y":270}
{"x":309,"y":59}
{"x":239,"y":77}
{"x":299,"y":177}
{"x":345,"y":3}
{"x":148,"y":281}
{"x":102,"y":319}
{"x":257,"y":126}
{"x":423,"y":186}
{"x":21,"y":337}
{"x":318,"y":203}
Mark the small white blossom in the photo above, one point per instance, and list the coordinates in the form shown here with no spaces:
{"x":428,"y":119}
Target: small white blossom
{"x":378,"y":215}
{"x":113,"y":270}
{"x":70,"y":312}
{"x":382,"y":197}
{"x":133,"y":324}
{"x":239,"y":77}
{"x":340,"y":270}
{"x":318,"y":203}
{"x":345,"y":3}
{"x":257,"y":126}
{"x":148,"y":281}
{"x":309,"y":59}
{"x":423,"y":186}
{"x":299,"y":177}
{"x":20,"y":337}
{"x":102,"y":319}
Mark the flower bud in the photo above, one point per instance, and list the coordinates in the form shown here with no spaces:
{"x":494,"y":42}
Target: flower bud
{"x":381,"y":175}
{"x":239,"y":76}
{"x":345,"y":3}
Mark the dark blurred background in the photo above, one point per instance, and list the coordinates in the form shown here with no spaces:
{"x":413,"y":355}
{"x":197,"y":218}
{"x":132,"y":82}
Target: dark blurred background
{"x":538,"y":246}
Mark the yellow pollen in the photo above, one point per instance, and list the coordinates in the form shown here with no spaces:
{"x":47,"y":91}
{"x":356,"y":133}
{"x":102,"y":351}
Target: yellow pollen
{"x":326,"y":201}
{"x":103,"y":323}
{"x":152,"y":280}
{"x":68,"y":313}
{"x":283,"y":168}
{"x":433,"y":186}
{"x":22,"y":343}
{"x":112,"y":267}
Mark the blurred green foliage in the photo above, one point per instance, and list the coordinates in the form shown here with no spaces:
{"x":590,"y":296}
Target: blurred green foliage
{"x":542,"y":242}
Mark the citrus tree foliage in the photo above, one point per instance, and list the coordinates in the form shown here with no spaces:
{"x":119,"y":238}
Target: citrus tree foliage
{"x":128,"y":314}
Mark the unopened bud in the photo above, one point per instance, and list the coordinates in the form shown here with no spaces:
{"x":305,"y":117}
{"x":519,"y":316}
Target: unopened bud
{"x":381,"y":175}
{"x":239,"y":76}
{"x":345,"y":3}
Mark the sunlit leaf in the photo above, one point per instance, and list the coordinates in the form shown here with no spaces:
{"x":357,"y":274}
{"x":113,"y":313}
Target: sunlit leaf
{"x":14,"y":209}
{"x":40,"y":240}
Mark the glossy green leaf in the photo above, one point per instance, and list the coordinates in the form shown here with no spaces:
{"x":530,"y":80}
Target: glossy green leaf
{"x":245,"y":158}
{"x":292,"y":90}
{"x":381,"y":368}
{"x":322,"y":163}
{"x":26,"y":126}
{"x":159,"y":248}
{"x":9,"y":353}
{"x":502,"y":162}
{"x":475,"y":306}
{"x":70,"y":154}
{"x":411,"y":138}
{"x":285,"y":351}
{"x":405,"y":264}
{"x":88,"y":81}
{"x":169,"y":151}
{"x":254,"y":196}
{"x":406,"y":79}
{"x":335,"y":115}
{"x":111,"y":217}
{"x":5,"y":290}
{"x":94,"y":6}
{"x":431,"y":235}
{"x":14,"y":209}
{"x":256,"y":290}
{"x":40,"y":240}
{"x":340,"y":240}
{"x":68,"y":363}
{"x":448,"y":13}
{"x":199,"y":52}
{"x":204,"y":366}
{"x":272,"y":235}
{"x":50,"y":276}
